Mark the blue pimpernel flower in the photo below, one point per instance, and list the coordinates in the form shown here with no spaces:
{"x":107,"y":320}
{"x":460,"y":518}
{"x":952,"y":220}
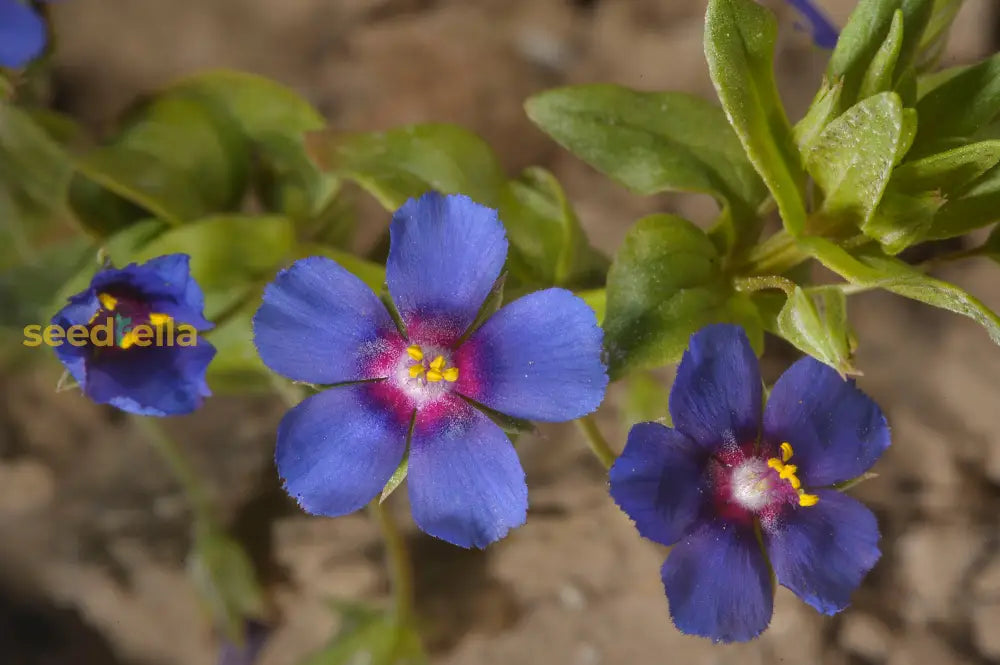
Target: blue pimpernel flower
{"x":537,"y":358}
{"x":739,"y":494}
{"x":824,"y":33}
{"x":139,"y":349}
{"x":22,"y":33}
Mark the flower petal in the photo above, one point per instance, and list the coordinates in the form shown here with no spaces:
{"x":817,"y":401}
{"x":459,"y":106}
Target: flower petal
{"x":22,"y":34}
{"x":164,"y":283}
{"x":716,"y":398}
{"x":824,"y":33}
{"x":835,"y":430}
{"x":152,"y":381}
{"x":321,"y":324}
{"x":337,"y":449}
{"x":822,"y":552}
{"x":466,"y":484}
{"x":445,"y":253}
{"x":718,"y":583}
{"x":658,"y":481}
{"x":538,"y":358}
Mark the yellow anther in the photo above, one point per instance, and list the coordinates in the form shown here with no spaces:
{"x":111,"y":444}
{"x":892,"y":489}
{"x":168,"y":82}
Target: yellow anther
{"x":416,"y":370}
{"x":416,"y":353}
{"x":438,"y":363}
{"x":786,"y":451}
{"x":128,"y":339}
{"x":451,"y":374}
{"x":775,"y":464}
{"x":159,"y":319}
{"x":807,"y":499}
{"x":794,"y":481}
{"x":107,"y":300}
{"x":434,"y":376}
{"x":787,"y":471}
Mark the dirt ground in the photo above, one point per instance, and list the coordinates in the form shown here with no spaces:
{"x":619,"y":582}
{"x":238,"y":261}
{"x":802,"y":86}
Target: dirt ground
{"x":93,"y":531}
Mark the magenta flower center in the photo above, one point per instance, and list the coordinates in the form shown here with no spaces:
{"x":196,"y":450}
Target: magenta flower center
{"x":748,"y":484}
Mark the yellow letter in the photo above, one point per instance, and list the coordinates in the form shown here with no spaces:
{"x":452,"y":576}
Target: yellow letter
{"x":108,"y":329}
{"x":187,"y":335}
{"x":77,"y":335}
{"x":53,"y":335}
{"x":142,"y":334}
{"x":33,"y":335}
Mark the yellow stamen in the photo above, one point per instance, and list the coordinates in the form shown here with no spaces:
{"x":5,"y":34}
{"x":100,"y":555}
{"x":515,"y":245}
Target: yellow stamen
{"x":158,"y":319}
{"x":415,"y":352}
{"x":128,"y":339}
{"x":438,"y":363}
{"x":807,"y":499}
{"x":787,"y":471}
{"x":107,"y":300}
{"x":416,"y":370}
{"x":775,"y":464}
{"x":434,"y":375}
{"x":451,"y":374}
{"x":786,"y":451}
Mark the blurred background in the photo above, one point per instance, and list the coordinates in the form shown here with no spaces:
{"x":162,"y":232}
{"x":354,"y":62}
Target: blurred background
{"x":94,"y":531}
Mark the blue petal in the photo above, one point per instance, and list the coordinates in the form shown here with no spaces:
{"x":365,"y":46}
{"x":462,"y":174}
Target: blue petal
{"x":822,"y":552}
{"x":152,"y":381}
{"x":466,"y":484}
{"x":537,"y":358}
{"x":165,"y":283}
{"x":658,"y":482}
{"x":716,"y":398}
{"x":321,"y":324}
{"x":824,"y":33}
{"x":338,"y":448}
{"x":835,"y":430}
{"x":22,"y":34}
{"x":77,"y":312}
{"x":445,"y":253}
{"x":718,"y":583}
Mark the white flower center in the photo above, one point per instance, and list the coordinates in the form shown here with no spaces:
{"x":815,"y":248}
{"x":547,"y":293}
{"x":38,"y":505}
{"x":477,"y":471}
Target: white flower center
{"x":751,"y":484}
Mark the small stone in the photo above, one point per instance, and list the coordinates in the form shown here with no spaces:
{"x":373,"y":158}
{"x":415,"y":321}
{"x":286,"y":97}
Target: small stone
{"x":25,"y":485}
{"x":572,"y":598}
{"x":922,"y":648}
{"x":865,"y":636}
{"x":986,"y":629}
{"x":986,"y":586}
{"x":933,"y":561}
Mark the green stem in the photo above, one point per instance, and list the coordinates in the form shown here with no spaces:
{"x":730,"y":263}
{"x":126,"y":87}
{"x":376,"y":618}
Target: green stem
{"x":398,"y":559}
{"x":191,"y":484}
{"x":751,"y":284}
{"x":596,"y":441}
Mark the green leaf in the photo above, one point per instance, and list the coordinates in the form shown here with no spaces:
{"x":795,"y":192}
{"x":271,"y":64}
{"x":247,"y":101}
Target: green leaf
{"x":665,"y":284}
{"x":872,"y":269}
{"x":597,"y":300}
{"x":816,"y":324}
{"x":852,"y":159}
{"x":275,"y":119}
{"x":229,"y":254}
{"x":237,"y":368}
{"x":920,"y":188}
{"x":651,"y":142}
{"x":824,"y":108}
{"x":397,"y":478}
{"x":739,"y":46}
{"x":959,"y":107}
{"x":976,"y":206}
{"x":646,"y":399}
{"x":34,"y":177}
{"x":879,"y":75}
{"x":174,"y":157}
{"x":224,"y":577}
{"x":548,"y":246}
{"x":935,"y":37}
{"x":405,"y":162}
{"x":371,"y":637}
{"x":866,"y":33}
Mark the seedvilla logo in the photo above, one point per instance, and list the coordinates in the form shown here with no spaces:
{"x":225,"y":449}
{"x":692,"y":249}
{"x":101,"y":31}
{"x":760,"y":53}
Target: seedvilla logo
{"x":115,"y":331}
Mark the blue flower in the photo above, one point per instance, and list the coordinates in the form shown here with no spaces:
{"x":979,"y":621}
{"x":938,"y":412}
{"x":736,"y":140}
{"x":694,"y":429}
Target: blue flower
{"x":22,"y":33}
{"x":824,"y":33}
{"x":138,"y":347}
{"x":726,"y":475}
{"x":537,"y":358}
{"x":255,"y":639}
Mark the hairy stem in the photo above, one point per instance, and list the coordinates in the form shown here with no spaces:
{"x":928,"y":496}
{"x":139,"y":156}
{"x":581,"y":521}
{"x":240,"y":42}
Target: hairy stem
{"x":596,"y":441}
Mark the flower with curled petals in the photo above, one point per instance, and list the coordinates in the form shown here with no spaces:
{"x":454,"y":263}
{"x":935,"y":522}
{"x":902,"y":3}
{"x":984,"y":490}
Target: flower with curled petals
{"x":740,"y":491}
{"x":419,"y":387}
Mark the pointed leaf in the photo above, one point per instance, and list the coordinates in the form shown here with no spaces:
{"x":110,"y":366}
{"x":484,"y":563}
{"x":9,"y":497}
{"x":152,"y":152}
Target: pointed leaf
{"x":816,"y":323}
